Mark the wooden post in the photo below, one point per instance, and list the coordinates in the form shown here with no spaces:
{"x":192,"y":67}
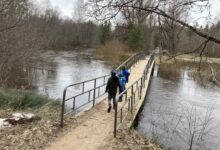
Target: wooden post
{"x":115,"y":122}
{"x":94,"y":93}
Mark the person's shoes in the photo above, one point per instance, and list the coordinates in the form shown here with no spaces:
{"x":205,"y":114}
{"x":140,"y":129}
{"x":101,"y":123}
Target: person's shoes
{"x":109,"y":109}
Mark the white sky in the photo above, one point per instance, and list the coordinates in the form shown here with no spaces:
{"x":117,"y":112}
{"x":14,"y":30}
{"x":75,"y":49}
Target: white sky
{"x":65,"y":7}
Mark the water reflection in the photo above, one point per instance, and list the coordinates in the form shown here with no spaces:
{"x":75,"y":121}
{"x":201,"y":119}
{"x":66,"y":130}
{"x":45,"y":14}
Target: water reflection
{"x":179,"y":111}
{"x":52,"y":71}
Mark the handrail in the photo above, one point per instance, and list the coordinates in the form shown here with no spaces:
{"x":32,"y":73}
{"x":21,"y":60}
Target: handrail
{"x":135,"y":88}
{"x":95,"y":91}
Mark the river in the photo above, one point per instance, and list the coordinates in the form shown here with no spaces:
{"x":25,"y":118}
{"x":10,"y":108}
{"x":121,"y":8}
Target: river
{"x":179,"y":111}
{"x":54,"y":70}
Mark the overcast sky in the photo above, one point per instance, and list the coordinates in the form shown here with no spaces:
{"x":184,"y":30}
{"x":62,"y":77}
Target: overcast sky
{"x":65,"y":7}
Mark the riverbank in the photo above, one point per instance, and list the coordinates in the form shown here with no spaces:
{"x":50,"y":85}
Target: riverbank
{"x":38,"y":133}
{"x":206,"y":70}
{"x":27,"y":135}
{"x":188,"y":58}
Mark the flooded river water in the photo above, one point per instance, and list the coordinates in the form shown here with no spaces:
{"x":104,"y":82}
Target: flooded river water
{"x":179,"y":112}
{"x":54,"y":70}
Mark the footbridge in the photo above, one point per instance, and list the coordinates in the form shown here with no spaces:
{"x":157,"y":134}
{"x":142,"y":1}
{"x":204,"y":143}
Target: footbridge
{"x":87,"y":100}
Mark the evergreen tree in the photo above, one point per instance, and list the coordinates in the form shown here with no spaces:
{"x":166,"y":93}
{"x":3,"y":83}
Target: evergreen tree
{"x":136,"y":37}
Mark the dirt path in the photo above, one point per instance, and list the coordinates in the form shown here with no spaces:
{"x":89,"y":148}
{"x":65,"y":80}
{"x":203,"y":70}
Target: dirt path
{"x":96,"y":125}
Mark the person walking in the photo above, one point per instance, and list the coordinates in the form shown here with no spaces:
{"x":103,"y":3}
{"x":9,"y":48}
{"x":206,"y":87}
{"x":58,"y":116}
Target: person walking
{"x":112,"y":86}
{"x":122,"y":82}
{"x":125,"y":73}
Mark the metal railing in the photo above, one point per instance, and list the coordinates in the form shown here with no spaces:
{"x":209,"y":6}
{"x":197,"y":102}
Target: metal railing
{"x":90,"y":90}
{"x":131,"y":95}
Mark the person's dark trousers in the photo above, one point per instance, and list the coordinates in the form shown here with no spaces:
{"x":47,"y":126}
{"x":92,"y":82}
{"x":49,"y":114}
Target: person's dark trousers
{"x":111,"y":96}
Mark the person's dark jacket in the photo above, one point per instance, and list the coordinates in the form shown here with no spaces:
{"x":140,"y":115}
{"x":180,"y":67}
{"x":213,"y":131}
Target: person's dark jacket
{"x":112,"y":85}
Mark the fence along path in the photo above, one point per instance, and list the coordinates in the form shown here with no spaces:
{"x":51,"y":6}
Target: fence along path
{"x":95,"y":127}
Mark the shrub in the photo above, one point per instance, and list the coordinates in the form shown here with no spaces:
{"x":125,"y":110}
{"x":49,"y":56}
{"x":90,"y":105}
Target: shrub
{"x":113,"y":51}
{"x":17,"y":99}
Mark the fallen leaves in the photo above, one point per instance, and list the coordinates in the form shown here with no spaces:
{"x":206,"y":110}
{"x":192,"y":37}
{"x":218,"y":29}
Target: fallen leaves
{"x":33,"y":132}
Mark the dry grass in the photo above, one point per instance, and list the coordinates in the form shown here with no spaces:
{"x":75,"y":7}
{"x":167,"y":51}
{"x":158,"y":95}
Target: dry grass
{"x":113,"y":51}
{"x":189,"y":58}
{"x":31,"y":135}
{"x":130,"y":140}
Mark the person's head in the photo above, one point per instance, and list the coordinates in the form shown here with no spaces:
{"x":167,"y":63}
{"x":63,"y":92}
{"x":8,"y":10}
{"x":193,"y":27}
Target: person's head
{"x":123,"y":68}
{"x":113,"y":73}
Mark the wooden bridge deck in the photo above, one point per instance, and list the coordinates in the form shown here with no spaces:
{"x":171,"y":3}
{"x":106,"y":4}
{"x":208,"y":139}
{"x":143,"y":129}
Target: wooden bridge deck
{"x":94,"y":128}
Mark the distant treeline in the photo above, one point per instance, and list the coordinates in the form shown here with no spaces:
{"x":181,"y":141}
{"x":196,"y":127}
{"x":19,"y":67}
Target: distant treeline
{"x":171,"y":39}
{"x":56,"y":33}
{"x":24,"y":31}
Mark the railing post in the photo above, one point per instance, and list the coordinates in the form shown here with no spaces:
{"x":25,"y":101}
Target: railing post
{"x":152,"y":72}
{"x":63,"y":108}
{"x":94,"y":93}
{"x":141,"y":87}
{"x":121,"y":116}
{"x":98,"y":91}
{"x":89,"y":97}
{"x":126,"y":96}
{"x":132,"y":104}
{"x":74,"y":103}
{"x":115,"y":122}
{"x":132,"y":92}
{"x":83,"y":88}
{"x":134,"y":100}
{"x":144,"y":77}
{"x":129,"y":104}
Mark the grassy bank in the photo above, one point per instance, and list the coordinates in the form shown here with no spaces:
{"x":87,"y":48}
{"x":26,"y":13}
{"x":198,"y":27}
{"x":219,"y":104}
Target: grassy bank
{"x":21,"y":100}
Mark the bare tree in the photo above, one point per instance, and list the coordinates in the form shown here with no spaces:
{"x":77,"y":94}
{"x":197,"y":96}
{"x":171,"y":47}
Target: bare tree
{"x":171,"y":30}
{"x":79,"y":11}
{"x":15,"y":39}
{"x":108,"y":9}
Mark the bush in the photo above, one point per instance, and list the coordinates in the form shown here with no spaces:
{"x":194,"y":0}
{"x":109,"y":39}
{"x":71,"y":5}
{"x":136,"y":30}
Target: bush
{"x":113,"y":51}
{"x":17,"y":99}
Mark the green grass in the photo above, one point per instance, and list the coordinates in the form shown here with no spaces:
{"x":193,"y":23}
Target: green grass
{"x":20,"y":99}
